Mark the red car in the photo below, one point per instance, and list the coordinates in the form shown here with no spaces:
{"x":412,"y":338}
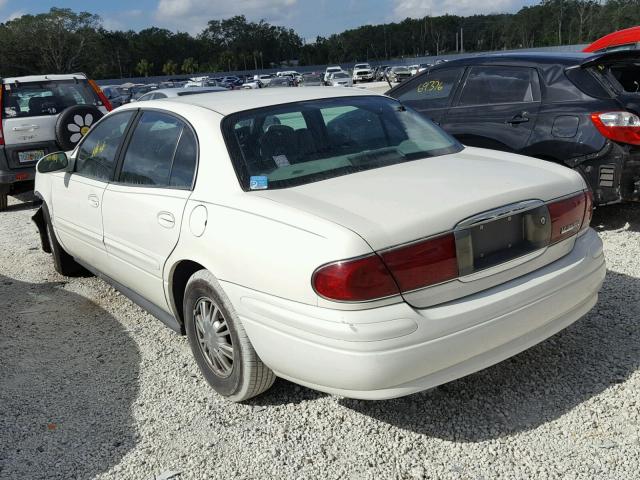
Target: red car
{"x":627,"y":39}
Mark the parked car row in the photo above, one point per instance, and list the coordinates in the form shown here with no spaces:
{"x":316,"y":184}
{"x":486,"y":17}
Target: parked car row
{"x":333,"y":237}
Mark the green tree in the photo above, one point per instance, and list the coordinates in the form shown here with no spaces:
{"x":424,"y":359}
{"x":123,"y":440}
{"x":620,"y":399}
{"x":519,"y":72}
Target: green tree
{"x":143,"y":67}
{"x":170,"y":68}
{"x":189,"y":65}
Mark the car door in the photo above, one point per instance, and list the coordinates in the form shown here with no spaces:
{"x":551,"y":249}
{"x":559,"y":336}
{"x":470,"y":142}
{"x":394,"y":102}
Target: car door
{"x":77,"y":196}
{"x":496,"y":108}
{"x":143,"y":207}
{"x":430,"y":93}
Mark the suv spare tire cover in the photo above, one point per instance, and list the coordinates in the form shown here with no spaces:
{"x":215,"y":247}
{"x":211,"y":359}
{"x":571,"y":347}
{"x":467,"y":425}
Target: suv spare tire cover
{"x":74,"y":123}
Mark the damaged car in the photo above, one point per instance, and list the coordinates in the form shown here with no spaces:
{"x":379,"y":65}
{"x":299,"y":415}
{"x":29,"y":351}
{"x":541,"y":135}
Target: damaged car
{"x":577,"y":109}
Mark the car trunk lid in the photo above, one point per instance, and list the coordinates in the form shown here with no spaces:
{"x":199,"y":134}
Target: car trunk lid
{"x":403,"y":203}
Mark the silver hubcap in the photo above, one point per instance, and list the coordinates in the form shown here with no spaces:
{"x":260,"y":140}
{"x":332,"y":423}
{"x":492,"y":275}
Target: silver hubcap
{"x":214,"y":337}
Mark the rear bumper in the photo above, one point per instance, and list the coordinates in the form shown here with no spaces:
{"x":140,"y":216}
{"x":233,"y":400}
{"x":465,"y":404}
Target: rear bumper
{"x":615,"y":176}
{"x":396,"y":350}
{"x":18,"y":175}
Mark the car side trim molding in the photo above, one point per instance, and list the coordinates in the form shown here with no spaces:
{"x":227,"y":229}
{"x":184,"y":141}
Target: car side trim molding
{"x":165,"y":317}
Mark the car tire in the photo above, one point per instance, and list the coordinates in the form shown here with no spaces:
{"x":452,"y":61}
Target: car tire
{"x":74,"y":123}
{"x":4,"y":197}
{"x":63,"y":263}
{"x":219,"y":342}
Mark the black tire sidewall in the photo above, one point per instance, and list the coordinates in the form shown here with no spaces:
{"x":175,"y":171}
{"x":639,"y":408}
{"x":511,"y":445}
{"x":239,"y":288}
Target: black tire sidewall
{"x":224,"y":386}
{"x":66,"y":118}
{"x":62,"y":261}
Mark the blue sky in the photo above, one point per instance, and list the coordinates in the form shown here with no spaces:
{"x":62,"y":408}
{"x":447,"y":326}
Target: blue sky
{"x":307,"y":17}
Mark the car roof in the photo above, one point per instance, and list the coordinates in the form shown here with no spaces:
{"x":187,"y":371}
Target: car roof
{"x":171,"y":91}
{"x":44,"y":78}
{"x":549,"y":58}
{"x":226,"y":103}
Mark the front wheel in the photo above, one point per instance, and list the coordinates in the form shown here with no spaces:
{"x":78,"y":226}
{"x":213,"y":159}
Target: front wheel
{"x":219,"y":342}
{"x":63,"y":263}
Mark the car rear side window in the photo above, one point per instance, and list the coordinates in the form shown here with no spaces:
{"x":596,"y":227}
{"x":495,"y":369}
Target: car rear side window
{"x":156,"y":145}
{"x":431,"y":90}
{"x":97,"y":153}
{"x":185,"y":160}
{"x":486,"y":85}
{"x":35,"y":99}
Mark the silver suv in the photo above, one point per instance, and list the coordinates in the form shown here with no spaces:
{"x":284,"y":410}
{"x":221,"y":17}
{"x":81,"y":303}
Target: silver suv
{"x":42,"y":114}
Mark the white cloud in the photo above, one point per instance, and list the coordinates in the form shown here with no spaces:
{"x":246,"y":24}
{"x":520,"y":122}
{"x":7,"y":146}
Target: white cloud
{"x":420,"y":8}
{"x":14,"y":15}
{"x":118,"y":23}
{"x":192,"y":15}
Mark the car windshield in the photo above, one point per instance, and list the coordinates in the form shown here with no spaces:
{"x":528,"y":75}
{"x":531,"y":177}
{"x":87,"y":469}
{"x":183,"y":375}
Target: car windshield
{"x":362,"y":65}
{"x":36,"y":99}
{"x":293,"y":144}
{"x":332,"y":70}
{"x":400,"y":69}
{"x":340,"y":75}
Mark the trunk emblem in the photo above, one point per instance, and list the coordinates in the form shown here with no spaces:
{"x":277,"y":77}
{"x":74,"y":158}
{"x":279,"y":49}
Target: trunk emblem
{"x":568,"y":228}
{"x":543,"y":220}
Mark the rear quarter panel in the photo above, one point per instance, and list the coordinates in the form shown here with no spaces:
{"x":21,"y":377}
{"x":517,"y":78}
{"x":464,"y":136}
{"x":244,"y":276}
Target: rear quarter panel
{"x":248,"y":240}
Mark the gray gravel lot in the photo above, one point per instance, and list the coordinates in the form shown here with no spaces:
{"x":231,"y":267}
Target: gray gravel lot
{"x":93,"y":387}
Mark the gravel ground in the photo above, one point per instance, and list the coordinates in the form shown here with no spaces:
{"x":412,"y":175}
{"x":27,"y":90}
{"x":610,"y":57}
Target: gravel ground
{"x":93,"y":387}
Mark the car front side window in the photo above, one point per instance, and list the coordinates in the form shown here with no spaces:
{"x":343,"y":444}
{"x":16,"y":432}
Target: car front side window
{"x":432,"y":90}
{"x":96,"y":156}
{"x":157,"y":154}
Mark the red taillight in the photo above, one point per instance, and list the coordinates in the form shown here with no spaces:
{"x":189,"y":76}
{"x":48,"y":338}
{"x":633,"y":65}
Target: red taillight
{"x":619,"y":126}
{"x":588,"y":210}
{"x":423,"y":263}
{"x":401,"y":269}
{"x":356,"y":280}
{"x":105,"y":101}
{"x":567,"y":216}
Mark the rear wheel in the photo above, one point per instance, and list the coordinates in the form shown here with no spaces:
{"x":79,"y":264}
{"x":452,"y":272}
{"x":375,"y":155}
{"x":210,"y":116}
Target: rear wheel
{"x":219,"y":342}
{"x":63,"y":263}
{"x":4,"y":199}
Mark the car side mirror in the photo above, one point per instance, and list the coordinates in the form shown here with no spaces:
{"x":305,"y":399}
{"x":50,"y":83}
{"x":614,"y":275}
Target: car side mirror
{"x":53,"y":162}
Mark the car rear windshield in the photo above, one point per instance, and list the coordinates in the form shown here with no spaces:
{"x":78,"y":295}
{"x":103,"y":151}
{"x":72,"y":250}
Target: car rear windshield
{"x":35,"y":99}
{"x":293,"y":144}
{"x":624,"y":76}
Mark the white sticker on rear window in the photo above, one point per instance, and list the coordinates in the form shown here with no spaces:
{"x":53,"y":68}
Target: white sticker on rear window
{"x":281,"y":160}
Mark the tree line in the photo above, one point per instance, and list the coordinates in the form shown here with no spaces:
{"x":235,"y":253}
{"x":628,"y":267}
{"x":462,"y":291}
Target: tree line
{"x":63,"y":40}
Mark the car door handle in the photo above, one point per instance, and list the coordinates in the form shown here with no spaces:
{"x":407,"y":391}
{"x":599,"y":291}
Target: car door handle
{"x":25,"y":128}
{"x":519,"y":118}
{"x":166,"y":219}
{"x":93,"y":200}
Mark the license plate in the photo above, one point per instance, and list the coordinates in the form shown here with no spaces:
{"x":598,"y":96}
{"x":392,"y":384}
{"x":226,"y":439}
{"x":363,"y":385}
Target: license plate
{"x":30,"y":156}
{"x":498,"y":241}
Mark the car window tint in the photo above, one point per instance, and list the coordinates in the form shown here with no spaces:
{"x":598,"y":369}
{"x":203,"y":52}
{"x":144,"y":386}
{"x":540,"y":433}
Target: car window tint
{"x":432,"y":90}
{"x":340,"y":136}
{"x":184,"y":162}
{"x":496,"y":84}
{"x":34,"y":99}
{"x":150,"y":153}
{"x":97,"y":153}
{"x":359,"y":126}
{"x":294,"y":120}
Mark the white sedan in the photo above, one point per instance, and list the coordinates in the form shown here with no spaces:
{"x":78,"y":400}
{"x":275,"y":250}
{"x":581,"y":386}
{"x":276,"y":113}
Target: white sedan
{"x":331,"y":237}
